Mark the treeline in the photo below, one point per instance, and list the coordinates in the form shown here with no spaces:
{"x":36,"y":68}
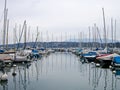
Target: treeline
{"x":62,"y":45}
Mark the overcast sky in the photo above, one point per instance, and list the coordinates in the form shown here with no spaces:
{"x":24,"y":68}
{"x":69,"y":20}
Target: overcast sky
{"x":60,"y":16}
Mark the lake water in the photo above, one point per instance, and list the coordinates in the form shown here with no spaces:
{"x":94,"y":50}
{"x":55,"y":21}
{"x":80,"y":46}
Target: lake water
{"x":60,"y":71}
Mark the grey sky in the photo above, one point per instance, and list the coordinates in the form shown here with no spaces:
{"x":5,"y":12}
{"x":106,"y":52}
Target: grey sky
{"x":60,"y":16}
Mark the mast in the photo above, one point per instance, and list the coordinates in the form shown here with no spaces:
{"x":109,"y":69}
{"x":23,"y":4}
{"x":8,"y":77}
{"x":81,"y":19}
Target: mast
{"x":105,"y":39}
{"x":73,"y":37}
{"x":47,"y":40}
{"x":61,"y":41}
{"x":28,"y":37}
{"x":112,"y":31}
{"x":36,"y":38}
{"x":7,"y":34}
{"x":95,"y":29}
{"x":92,"y":36}
{"x":79,"y":40}
{"x":66,"y":41}
{"x":4,"y":24}
{"x":14,"y":37}
{"x":115,"y":35}
{"x":25,"y":32}
{"x":19,"y":29}
{"x":41,"y":40}
{"x":89,"y":38}
{"x":52,"y":41}
{"x":99,"y":36}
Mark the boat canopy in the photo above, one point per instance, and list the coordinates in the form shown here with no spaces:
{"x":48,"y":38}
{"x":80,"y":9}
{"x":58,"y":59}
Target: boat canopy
{"x":117,"y":59}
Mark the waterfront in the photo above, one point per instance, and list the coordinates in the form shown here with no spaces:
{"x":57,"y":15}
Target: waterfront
{"x":60,"y":71}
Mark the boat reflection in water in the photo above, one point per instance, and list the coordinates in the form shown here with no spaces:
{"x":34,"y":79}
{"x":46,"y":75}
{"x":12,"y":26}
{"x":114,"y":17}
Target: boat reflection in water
{"x":60,"y":71}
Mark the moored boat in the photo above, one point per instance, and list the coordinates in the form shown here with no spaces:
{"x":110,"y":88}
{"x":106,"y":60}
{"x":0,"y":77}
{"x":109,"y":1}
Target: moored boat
{"x":18,"y":58}
{"x":90,"y":56}
{"x":106,"y":59}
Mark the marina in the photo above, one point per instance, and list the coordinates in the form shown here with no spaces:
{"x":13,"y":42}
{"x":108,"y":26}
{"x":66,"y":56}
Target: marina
{"x":59,"y":45}
{"x":60,"y":71}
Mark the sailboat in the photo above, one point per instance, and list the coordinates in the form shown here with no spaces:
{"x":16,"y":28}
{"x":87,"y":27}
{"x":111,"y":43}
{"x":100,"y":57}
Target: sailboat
{"x":20,"y":55}
{"x":90,"y":56}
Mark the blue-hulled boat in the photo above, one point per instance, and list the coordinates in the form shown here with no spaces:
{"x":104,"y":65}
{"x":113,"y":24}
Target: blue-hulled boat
{"x":90,"y":56}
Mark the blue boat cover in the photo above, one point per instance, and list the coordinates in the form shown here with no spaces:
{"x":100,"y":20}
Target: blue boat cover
{"x":34,"y":51}
{"x":116,"y":60}
{"x":1,"y":51}
{"x":117,"y":72}
{"x":90,"y":54}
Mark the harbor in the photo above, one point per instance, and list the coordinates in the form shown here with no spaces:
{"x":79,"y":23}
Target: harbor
{"x":60,"y":71}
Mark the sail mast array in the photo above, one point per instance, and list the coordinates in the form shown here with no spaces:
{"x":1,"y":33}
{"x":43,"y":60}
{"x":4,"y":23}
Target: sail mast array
{"x":94,"y":33}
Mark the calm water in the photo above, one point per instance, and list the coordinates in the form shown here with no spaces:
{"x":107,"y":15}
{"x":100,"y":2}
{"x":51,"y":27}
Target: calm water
{"x":60,"y":71}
